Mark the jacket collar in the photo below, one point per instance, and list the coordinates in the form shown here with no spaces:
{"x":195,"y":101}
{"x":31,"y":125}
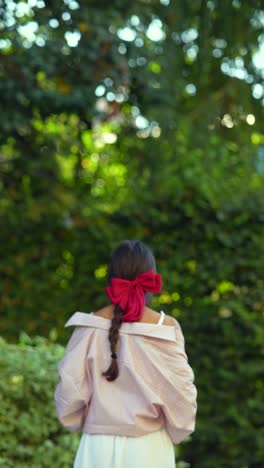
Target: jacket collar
{"x":165,"y":332}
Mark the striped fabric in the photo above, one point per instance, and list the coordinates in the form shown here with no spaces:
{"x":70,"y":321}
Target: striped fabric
{"x":155,"y":387}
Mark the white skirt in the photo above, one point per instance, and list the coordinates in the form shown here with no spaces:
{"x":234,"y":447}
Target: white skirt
{"x":155,"y":450}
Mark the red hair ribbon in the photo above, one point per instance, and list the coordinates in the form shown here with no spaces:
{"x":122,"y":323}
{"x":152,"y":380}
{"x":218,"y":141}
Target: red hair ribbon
{"x":130,"y":294}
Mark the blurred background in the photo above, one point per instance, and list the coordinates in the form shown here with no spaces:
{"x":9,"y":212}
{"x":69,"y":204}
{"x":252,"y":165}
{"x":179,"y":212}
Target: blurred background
{"x":133,"y":120}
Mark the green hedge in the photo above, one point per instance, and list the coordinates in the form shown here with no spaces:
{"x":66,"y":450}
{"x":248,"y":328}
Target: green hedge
{"x":30,"y":435}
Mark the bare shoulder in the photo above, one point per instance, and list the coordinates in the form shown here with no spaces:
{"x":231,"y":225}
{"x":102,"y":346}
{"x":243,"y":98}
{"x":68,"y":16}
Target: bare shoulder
{"x":171,"y":321}
{"x":175,"y":322}
{"x":152,"y":316}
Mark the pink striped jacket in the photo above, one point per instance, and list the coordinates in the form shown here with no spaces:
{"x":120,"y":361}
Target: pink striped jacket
{"x":155,"y":387}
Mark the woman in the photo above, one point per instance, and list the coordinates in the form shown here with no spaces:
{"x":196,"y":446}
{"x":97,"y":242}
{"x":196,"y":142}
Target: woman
{"x":134,"y":403}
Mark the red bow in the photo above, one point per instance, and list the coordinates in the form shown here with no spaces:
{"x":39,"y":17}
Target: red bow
{"x":130,"y":294}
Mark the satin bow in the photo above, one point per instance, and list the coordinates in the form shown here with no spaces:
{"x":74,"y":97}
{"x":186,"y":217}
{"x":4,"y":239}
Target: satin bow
{"x":130,"y":294}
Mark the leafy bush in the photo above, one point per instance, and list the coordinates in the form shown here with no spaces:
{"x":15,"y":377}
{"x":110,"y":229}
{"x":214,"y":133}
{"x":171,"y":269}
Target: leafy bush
{"x":30,"y":435}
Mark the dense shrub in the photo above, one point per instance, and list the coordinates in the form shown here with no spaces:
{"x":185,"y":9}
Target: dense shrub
{"x":30,"y":435}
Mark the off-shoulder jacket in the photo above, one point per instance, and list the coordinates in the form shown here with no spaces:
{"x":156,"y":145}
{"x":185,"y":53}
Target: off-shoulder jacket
{"x":155,"y":387}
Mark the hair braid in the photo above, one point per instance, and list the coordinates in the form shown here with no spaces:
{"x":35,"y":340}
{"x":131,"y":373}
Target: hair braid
{"x":128,"y":260}
{"x":112,"y":372}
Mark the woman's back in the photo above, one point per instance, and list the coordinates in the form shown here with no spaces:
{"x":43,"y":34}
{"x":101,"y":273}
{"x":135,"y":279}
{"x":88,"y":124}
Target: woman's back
{"x":154,"y":385}
{"x":125,"y":380}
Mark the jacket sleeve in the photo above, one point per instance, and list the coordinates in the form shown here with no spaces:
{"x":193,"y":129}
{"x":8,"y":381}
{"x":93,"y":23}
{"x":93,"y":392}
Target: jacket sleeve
{"x":73,"y":391}
{"x":178,"y":392}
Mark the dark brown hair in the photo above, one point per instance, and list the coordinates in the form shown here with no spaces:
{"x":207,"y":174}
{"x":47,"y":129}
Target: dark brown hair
{"x":129,"y":259}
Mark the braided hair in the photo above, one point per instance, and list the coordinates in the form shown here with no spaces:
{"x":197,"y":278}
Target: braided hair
{"x":129,"y":259}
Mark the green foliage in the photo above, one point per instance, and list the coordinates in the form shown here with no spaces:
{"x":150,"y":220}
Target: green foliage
{"x":30,"y":434}
{"x":158,"y":136}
